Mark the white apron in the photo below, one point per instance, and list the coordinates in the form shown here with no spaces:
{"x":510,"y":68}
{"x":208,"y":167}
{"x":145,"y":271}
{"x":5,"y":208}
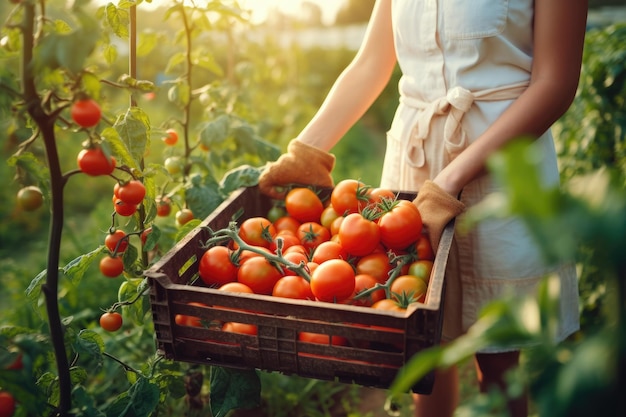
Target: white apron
{"x":463,"y":63}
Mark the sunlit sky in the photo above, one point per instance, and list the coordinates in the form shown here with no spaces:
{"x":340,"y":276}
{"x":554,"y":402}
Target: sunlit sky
{"x":261,"y":8}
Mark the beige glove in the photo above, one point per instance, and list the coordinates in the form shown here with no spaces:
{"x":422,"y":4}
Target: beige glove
{"x":302,"y":164}
{"x":437,"y":208}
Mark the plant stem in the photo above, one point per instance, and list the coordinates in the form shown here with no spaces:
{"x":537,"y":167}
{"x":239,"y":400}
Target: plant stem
{"x":57,"y":182}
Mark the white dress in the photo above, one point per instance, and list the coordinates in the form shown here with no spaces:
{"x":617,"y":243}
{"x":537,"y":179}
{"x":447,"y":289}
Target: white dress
{"x":463,"y":63}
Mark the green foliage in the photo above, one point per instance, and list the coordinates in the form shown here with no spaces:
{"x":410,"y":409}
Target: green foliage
{"x":592,"y":134}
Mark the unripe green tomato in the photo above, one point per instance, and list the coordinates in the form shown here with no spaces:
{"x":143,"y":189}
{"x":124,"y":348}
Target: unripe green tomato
{"x":30,"y":198}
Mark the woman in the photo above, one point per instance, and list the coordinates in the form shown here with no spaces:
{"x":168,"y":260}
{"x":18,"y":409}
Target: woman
{"x":475,"y":75}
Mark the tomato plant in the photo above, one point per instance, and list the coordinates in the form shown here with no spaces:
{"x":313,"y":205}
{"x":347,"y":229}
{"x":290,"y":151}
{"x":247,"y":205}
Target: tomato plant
{"x":400,"y":224}
{"x":111,"y":321}
{"x":93,"y":161}
{"x":216,"y":267}
{"x":30,"y":198}
{"x":304,"y":205}
{"x":7,"y":404}
{"x":359,"y":235}
{"x":86,"y":112}
{"x":333,"y":281}
{"x":111,"y":266}
{"x":257,"y":231}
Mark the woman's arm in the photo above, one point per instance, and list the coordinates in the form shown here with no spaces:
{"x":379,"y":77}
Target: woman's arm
{"x":358,"y":85}
{"x":559,"y":30}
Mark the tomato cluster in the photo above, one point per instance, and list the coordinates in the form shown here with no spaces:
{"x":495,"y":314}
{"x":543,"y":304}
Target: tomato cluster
{"x":361,"y":246}
{"x":127,"y":197}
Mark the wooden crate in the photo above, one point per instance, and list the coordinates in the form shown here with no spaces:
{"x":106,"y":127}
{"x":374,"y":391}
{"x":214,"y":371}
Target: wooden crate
{"x":381,"y":342}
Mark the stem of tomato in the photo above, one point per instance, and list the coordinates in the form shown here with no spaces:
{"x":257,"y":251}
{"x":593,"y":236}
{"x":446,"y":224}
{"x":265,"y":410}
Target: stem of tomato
{"x":232,"y":232}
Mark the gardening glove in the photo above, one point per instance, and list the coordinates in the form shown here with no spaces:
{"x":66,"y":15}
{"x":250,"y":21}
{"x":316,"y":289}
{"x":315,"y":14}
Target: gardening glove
{"x":302,"y":164}
{"x":437,"y":208}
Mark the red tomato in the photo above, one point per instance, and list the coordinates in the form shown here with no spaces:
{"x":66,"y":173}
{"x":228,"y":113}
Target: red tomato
{"x":86,"y":112}
{"x":375,"y":264}
{"x":192,"y":321}
{"x":258,"y":274}
{"x":171,"y":137}
{"x":111,"y":321}
{"x":423,"y":248}
{"x":349,"y":196}
{"x":111,"y":267}
{"x":236,"y":287}
{"x":293,"y":286}
{"x":311,"y":234}
{"x":328,"y":250}
{"x":216,"y":267}
{"x":124,"y":209}
{"x":333,"y":281}
{"x":163,"y":206}
{"x":288,"y":239}
{"x":296,"y":258}
{"x":242,"y":328}
{"x":363,"y":282}
{"x":7,"y":404}
{"x":286,"y":223}
{"x":376,"y":195}
{"x":359,"y":236}
{"x":401,"y":225}
{"x":304,"y":205}
{"x":112,"y":239}
{"x":408,"y":289}
{"x":388,"y":304}
{"x":94,"y":162}
{"x":131,"y":192}
{"x":322,"y":339}
{"x":257,"y":231}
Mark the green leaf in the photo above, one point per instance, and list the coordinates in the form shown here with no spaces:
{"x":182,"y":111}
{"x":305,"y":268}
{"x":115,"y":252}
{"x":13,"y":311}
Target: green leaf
{"x":148,"y":41}
{"x":242,"y":176}
{"x":215,"y":131}
{"x":29,"y":163}
{"x":75,"y":269}
{"x":89,"y":344}
{"x":34,"y":288}
{"x":118,"y":19}
{"x":232,"y":389}
{"x":202,"y":198}
{"x":133,"y":128}
{"x":153,"y":238}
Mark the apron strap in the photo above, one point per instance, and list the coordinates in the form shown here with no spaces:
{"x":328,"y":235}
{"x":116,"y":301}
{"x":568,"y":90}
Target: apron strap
{"x":453,"y":107}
